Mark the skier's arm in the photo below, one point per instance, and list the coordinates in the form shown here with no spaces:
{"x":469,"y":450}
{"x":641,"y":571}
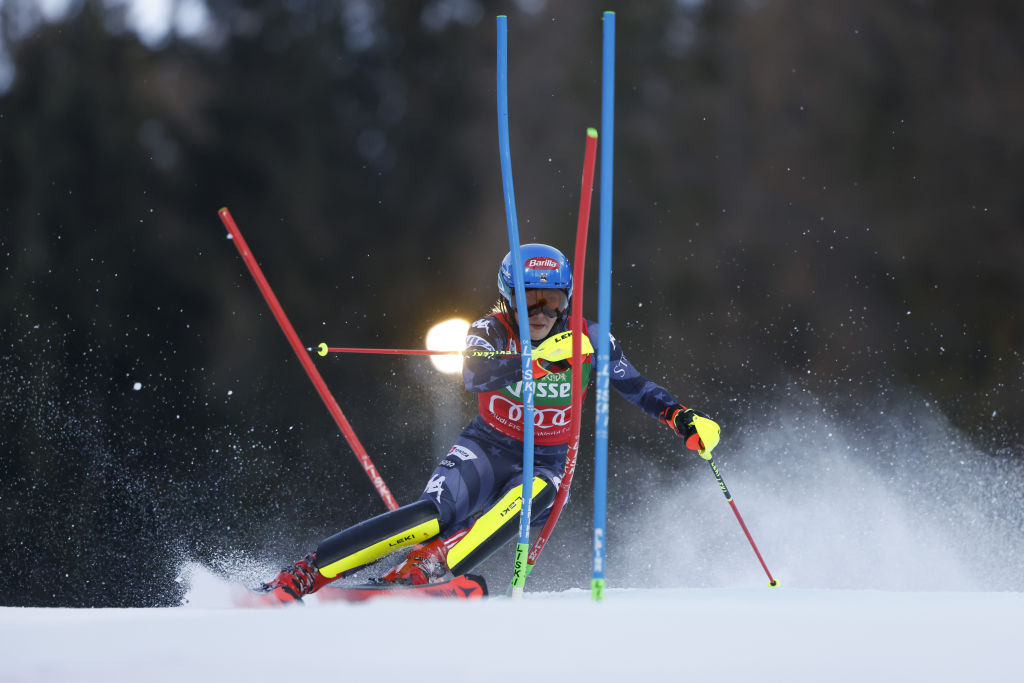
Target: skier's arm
{"x":487,"y":373}
{"x":651,"y":398}
{"x":700,"y":431}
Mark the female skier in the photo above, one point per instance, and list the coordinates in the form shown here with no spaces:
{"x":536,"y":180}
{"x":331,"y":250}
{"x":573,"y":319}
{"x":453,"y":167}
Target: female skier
{"x":461,"y":517}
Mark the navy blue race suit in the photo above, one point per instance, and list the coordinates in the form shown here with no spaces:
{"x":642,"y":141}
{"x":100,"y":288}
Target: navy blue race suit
{"x":487,"y":458}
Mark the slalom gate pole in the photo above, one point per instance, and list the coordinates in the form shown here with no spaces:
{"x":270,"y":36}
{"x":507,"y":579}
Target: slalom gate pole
{"x":305,"y":361}
{"x":604,"y":305}
{"x":721,"y":483}
{"x":576,"y":324}
{"x":523,"y":545}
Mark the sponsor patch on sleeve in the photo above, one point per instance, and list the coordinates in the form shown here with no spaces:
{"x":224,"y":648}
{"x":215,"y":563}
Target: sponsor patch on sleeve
{"x":478,"y":342}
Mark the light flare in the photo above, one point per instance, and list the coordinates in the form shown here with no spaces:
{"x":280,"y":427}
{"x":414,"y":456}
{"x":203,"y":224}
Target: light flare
{"x":449,"y":335}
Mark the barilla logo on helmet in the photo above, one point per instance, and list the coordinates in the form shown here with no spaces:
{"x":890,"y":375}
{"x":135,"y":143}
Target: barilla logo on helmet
{"x":541,"y":263}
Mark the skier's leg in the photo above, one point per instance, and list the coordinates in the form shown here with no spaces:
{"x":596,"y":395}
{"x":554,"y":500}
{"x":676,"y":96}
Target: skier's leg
{"x":498,"y":525}
{"x":464,"y":550}
{"x":366,"y":542}
{"x":460,"y":485}
{"x":355,"y":547}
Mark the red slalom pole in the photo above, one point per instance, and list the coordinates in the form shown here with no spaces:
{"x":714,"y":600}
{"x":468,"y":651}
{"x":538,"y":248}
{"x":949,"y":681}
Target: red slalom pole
{"x":721,"y":483}
{"x":304,"y":359}
{"x":576,"y":324}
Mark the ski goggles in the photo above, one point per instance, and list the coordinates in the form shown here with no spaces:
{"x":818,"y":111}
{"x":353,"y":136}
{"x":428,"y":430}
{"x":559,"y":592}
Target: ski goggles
{"x":551,"y":302}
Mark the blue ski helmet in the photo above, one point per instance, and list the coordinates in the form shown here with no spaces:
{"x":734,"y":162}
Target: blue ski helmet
{"x":544,"y":267}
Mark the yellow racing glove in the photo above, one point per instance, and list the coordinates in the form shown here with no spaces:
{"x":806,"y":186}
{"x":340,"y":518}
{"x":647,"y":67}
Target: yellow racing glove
{"x":700,"y":431}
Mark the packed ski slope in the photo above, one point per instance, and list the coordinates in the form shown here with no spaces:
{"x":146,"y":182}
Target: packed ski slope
{"x":898,"y":568}
{"x":749,"y":634}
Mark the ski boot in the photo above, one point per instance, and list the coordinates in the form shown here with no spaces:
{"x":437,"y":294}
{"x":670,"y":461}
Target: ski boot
{"x":424,"y":564}
{"x":302,"y":578}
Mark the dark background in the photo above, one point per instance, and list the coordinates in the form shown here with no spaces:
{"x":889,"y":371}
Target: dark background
{"x":826,"y":194}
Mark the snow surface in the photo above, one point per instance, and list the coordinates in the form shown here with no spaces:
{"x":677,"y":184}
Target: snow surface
{"x":906,"y":567}
{"x":745,"y":634}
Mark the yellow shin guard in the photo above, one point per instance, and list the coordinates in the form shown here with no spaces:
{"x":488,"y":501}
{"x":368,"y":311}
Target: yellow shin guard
{"x":497,"y":526}
{"x":371,"y":540}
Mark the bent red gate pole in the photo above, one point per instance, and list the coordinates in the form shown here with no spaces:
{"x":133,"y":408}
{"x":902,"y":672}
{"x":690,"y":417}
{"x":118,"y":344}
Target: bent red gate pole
{"x":576,"y":325}
{"x":306,"y":361}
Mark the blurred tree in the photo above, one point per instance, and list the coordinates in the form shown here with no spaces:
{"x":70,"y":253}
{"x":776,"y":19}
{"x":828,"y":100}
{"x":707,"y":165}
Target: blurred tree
{"x":821,"y":193}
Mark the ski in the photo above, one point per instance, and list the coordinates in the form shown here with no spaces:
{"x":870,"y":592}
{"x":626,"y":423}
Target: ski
{"x":465,"y":587}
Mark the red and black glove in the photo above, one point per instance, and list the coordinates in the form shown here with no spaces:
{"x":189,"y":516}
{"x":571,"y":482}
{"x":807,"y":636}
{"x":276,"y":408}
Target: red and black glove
{"x":543,"y":366}
{"x":700,"y":431}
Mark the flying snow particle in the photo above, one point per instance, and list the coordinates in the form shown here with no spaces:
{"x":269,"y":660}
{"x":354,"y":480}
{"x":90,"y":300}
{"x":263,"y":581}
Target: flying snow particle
{"x":137,"y":386}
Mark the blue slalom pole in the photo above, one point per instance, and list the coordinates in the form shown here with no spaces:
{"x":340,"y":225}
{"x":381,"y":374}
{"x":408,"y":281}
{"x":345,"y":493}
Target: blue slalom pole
{"x":604,"y":305}
{"x":519,"y":569}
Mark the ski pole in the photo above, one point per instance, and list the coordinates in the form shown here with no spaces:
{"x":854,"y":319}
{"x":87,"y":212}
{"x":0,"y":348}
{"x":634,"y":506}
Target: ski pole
{"x":332,"y":406}
{"x":324,"y":349}
{"x":576,"y":324}
{"x":721,"y":483}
